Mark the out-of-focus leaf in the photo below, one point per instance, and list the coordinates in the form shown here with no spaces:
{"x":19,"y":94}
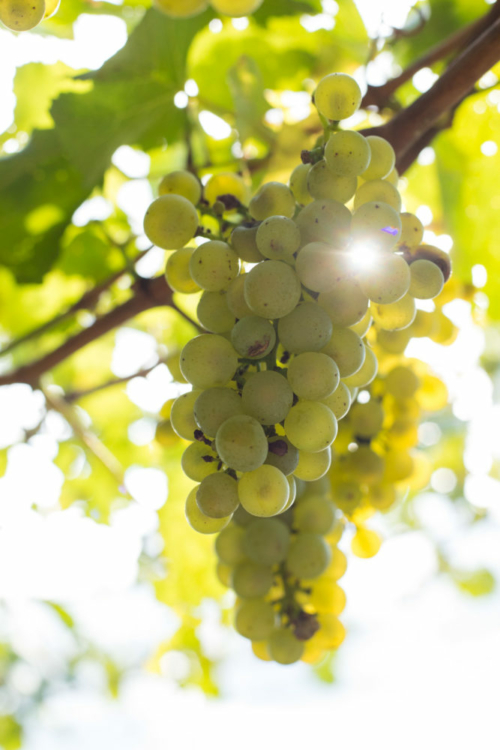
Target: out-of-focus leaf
{"x":63,"y":615}
{"x":10,"y":733}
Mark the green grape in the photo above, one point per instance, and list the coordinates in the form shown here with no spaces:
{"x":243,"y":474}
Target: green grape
{"x":181,"y":183}
{"x":387,"y":280}
{"x":423,"y":325}
{"x":278,"y":238}
{"x":272,"y":289}
{"x":395,"y":316}
{"x":346,"y":495}
{"x":19,"y":15}
{"x":337,"y":96}
{"x":242,"y":518}
{"x":366,"y":373}
{"x":308,"y":556}
{"x":214,"y":265}
{"x":264,"y":491}
{"x":345,"y":303}
{"x":394,"y":342}
{"x":266,"y":541}
{"x":307,"y":328}
{"x":315,"y":514}
{"x":375,"y":226}
{"x":366,"y":465}
{"x":310,"y":426}
{"x":214,"y":314}
{"x":236,"y":8}
{"x":224,"y":574}
{"x":254,"y":618}
{"x":208,"y":361}
{"x":324,"y":221}
{"x":253,"y":337}
{"x":170,"y":222}
{"x":363,"y":326}
{"x":323,"y":183}
{"x":347,"y":351}
{"x":318,"y":266}
{"x":298,"y":184}
{"x":199,"y":461}
{"x":284,"y":648}
{"x":393,"y":177}
{"x":437,"y":256}
{"x":267,"y":397}
{"x":339,"y":401}
{"x":214,"y":406}
{"x":282,"y":454}
{"x":272,"y":199}
{"x":199,"y":521}
{"x":226,"y":183}
{"x":382,"y":159}
{"x":379,"y":191}
{"x":366,"y":419}
{"x":241,"y":443}
{"x":244,"y":243}
{"x":251,"y":580}
{"x":181,"y":415}
{"x":217,"y":495}
{"x":382,"y":496}
{"x":181,"y":8}
{"x":236,"y":298}
{"x":427,"y":280}
{"x":313,"y":466}
{"x":347,"y":153}
{"x":327,"y":597}
{"x":51,"y":8}
{"x":313,"y":375}
{"x":412,"y":231}
{"x":177,"y":272}
{"x":401,"y":382}
{"x":229,"y":545}
{"x":293,"y":492}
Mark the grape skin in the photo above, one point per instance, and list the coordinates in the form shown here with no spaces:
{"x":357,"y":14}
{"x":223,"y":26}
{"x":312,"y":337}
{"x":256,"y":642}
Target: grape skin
{"x":313,"y":376}
{"x":272,"y":289}
{"x":181,"y":8}
{"x":213,"y":406}
{"x":312,"y":466}
{"x":266,"y":541}
{"x":325,"y":221}
{"x":177,"y":272}
{"x":307,"y":328}
{"x":170,"y":222}
{"x":236,"y":8}
{"x":337,"y":96}
{"x":250,"y":580}
{"x":396,"y":316}
{"x":214,"y":314}
{"x":226,"y":183}
{"x":214,"y":265}
{"x":199,"y":521}
{"x":380,"y":191}
{"x":278,"y":238}
{"x":267,"y":396}
{"x":217,"y":495}
{"x":347,"y":153}
{"x":19,"y":15}
{"x":347,"y":350}
{"x":208,"y":361}
{"x":284,"y":648}
{"x":254,"y":619}
{"x":244,"y":243}
{"x":388,"y":281}
{"x":298,"y":184}
{"x":272,"y":199}
{"x":229,"y":545}
{"x":339,"y":401}
{"x":253,"y":337}
{"x":241,"y":443}
{"x":310,"y":426}
{"x":382,"y":159}
{"x":309,"y":556}
{"x":181,"y":183}
{"x":376,"y":224}
{"x":193,"y":464}
{"x":323,"y":183}
{"x":427,"y":280}
{"x":366,"y":373}
{"x":264,"y":491}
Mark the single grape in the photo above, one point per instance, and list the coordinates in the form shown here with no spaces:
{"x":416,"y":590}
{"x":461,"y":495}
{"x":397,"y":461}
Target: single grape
{"x":396,"y":316}
{"x":236,"y":298}
{"x":379,"y":191}
{"x":323,"y":183}
{"x":267,"y":397}
{"x":325,"y":221}
{"x":337,"y":96}
{"x":347,"y":350}
{"x":339,"y":401}
{"x":337,"y":567}
{"x":366,"y":419}
{"x":394,"y":342}
{"x":181,"y":183}
{"x":214,"y":265}
{"x":214,"y":314}
{"x":272,"y":289}
{"x":432,"y":394}
{"x":308,"y":556}
{"x":364,"y":464}
{"x":427,"y":280}
{"x":236,"y":8}
{"x":199,"y":521}
{"x":217,"y":495}
{"x":266,"y":541}
{"x":284,"y":648}
{"x":278,"y":238}
{"x":213,"y":406}
{"x":331,"y":634}
{"x":412,"y":231}
{"x":208,"y":361}
{"x":307,"y":328}
{"x":241,"y":443}
{"x":375,"y":226}
{"x":254,"y":618}
{"x":298,"y":184}
{"x":310,"y":426}
{"x":223,"y":573}
{"x":226,"y":183}
{"x":437,"y":256}
{"x":170,"y":222}
{"x":315,"y":514}
{"x":181,"y":415}
{"x":199,"y":461}
{"x":319,"y":267}
{"x":366,"y":373}
{"x":382,"y":159}
{"x":251,"y":580}
{"x":393,"y":177}
{"x":272,"y":199}
{"x":264,"y":491}
{"x":244,"y":243}
{"x":282,"y":454}
{"x":402,"y":382}
{"x":253,"y":337}
{"x":382,"y":496}
{"x":347,"y":153}
{"x":313,"y":376}
{"x":51,"y":8}
{"x":345,"y":303}
{"x":365,"y":543}
{"x":363,"y":326}
{"x":327,"y":597}
{"x":387,"y":280}
{"x":313,"y":466}
{"x":229,"y":545}
{"x":20,"y":15}
{"x":242,"y":518}
{"x":181,"y":8}
{"x":178,"y":274}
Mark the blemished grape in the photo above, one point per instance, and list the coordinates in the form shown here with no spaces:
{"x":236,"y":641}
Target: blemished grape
{"x":345,"y":303}
{"x":181,"y":8}
{"x":396,"y":316}
{"x":241,"y":443}
{"x":217,"y":495}
{"x":199,"y":461}
{"x":214,"y":265}
{"x":178,"y":274}
{"x":181,"y":415}
{"x":310,"y":426}
{"x":267,"y":396}
{"x":324,"y":221}
{"x":313,"y":375}
{"x":323,"y":183}
{"x":347,"y":350}
{"x":181,"y":183}
{"x":337,"y":96}
{"x":272,"y":289}
{"x":315,"y":514}
{"x":366,"y":373}
{"x":437,"y":256}
{"x":387,"y":280}
{"x":199,"y":521}
{"x":266,"y":541}
{"x":379,"y":191}
{"x":347,"y":153}
{"x":402,"y":382}
{"x":284,"y":648}
{"x":282,"y":454}
{"x":254,"y":619}
{"x":214,"y":314}
{"x":226,"y":183}
{"x":213,"y":406}
{"x":307,"y":328}
{"x":208,"y":361}
{"x":272,"y":199}
{"x":278,"y":238}
{"x":427,"y":280}
{"x":170,"y":222}
{"x":264,"y":491}
{"x":309,"y":556}
{"x":244,"y":243}
{"x":298,"y":184}
{"x":229,"y":545}
{"x":251,"y":580}
{"x":236,"y":298}
{"x":253,"y":337}
{"x":312,"y":466}
{"x":412,"y":231}
{"x":319,"y":267}
{"x":20,"y":15}
{"x":376,"y":226}
{"x":366,"y":419}
{"x":382,"y":159}
{"x":236,"y":8}
{"x":339,"y":401}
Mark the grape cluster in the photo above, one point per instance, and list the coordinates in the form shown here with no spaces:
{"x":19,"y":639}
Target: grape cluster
{"x":23,"y":15}
{"x":189,"y":8}
{"x":299,"y":294}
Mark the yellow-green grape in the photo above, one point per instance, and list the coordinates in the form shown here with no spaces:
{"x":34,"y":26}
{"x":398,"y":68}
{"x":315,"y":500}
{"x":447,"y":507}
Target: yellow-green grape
{"x":199,"y":461}
{"x":382,"y":159}
{"x":324,"y":221}
{"x":315,"y":514}
{"x":272,"y":289}
{"x":283,"y":455}
{"x":213,"y":406}
{"x":272,"y":199}
{"x":253,"y":337}
{"x":236,"y":8}
{"x":346,"y":495}
{"x":199,"y":521}
{"x":403,"y":433}
{"x":181,"y":183}
{"x":310,"y":426}
{"x":251,"y":580}
{"x":267,"y":397}
{"x":224,"y":574}
{"x":242,"y":518}
{"x":366,"y":465}
{"x":214,"y":314}
{"x":181,"y":416}
{"x":313,"y":466}
{"x":382,"y":496}
{"x":292,"y":484}
{"x":313,"y":375}
{"x":347,"y":351}
{"x":366,"y":419}
{"x":393,"y":177}
{"x":375,"y":226}
{"x":337,"y":96}
{"x":346,"y":303}
{"x":241,"y":443}
{"x":229,"y":545}
{"x":327,"y":597}
{"x":309,"y":556}
{"x":423,"y":325}
{"x":208,"y":361}
{"x":379,"y":191}
{"x":278,"y":238}
{"x":363,"y":326}
{"x":236,"y":298}
{"x":339,"y":401}
{"x":402,"y":382}
{"x":165,"y":435}
{"x":284,"y":648}
{"x":347,"y":153}
{"x":298,"y":184}
{"x":170,"y":222}
{"x":266,"y":541}
{"x":323,"y":183}
{"x":443,"y":332}
{"x":366,"y":543}
{"x":337,"y":567}
{"x":386,"y":280}
{"x":259,"y":649}
{"x":226,"y":183}
{"x":244,"y":243}
{"x":51,"y":8}
{"x":366,"y":372}
{"x":181,"y":8}
{"x":20,"y":15}
{"x":437,"y":256}
{"x":214,"y":265}
{"x":394,"y":342}
{"x":331,"y":633}
{"x":412,"y":231}
{"x":254,"y":619}
{"x":217,"y":495}
{"x":307,"y":328}
{"x":319,"y":267}
{"x":264,"y":491}
{"x":396,"y":316}
{"x":432,"y":394}
{"x":178,"y":274}
{"x":427,"y":280}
